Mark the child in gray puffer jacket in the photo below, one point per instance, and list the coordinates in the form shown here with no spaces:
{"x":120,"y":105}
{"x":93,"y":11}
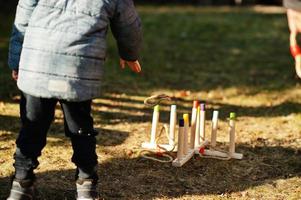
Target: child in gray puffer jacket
{"x":57,"y":53}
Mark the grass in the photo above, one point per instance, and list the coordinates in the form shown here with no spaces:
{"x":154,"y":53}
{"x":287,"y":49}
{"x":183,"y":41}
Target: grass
{"x":234,"y":59}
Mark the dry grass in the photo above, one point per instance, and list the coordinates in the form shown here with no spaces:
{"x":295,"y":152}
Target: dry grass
{"x":235,"y":61}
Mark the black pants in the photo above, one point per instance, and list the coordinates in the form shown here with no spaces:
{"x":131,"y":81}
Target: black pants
{"x":36,"y":116}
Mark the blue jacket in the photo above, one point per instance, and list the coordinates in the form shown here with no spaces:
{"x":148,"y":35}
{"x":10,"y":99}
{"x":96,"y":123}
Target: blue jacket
{"x":59,"y":46}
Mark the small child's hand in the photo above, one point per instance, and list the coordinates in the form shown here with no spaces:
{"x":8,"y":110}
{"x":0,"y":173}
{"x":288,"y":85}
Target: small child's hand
{"x":134,"y":65}
{"x":14,"y":75}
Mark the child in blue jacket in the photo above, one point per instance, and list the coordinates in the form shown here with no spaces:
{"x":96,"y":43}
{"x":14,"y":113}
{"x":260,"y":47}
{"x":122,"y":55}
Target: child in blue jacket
{"x":57,"y":53}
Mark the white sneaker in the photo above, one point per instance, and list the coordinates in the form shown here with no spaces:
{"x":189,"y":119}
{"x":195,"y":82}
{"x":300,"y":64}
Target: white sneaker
{"x":22,"y":190}
{"x":86,"y":189}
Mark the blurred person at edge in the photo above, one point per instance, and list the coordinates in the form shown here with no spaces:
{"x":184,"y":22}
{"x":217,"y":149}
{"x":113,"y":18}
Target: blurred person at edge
{"x":294,"y":22}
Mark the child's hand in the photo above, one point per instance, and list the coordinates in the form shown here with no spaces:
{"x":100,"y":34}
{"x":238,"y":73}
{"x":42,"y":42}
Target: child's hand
{"x":134,"y":65}
{"x":14,"y":75}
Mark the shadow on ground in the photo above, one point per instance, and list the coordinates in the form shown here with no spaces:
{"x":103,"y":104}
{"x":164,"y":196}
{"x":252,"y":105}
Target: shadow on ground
{"x":185,"y":106}
{"x":126,"y":113}
{"x":137,"y":178}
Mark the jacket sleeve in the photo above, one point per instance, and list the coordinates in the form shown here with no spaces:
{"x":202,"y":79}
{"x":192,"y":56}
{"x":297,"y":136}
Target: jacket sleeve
{"x":126,"y":28}
{"x":23,"y":14}
{"x":292,"y":4}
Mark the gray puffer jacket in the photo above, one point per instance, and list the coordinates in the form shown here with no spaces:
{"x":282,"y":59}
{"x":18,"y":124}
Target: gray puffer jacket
{"x":292,"y":4}
{"x":59,"y":46}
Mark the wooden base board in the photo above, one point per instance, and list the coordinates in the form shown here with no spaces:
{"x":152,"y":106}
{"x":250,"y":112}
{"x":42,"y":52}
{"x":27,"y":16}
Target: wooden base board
{"x":180,"y":162}
{"x":208,"y":152}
